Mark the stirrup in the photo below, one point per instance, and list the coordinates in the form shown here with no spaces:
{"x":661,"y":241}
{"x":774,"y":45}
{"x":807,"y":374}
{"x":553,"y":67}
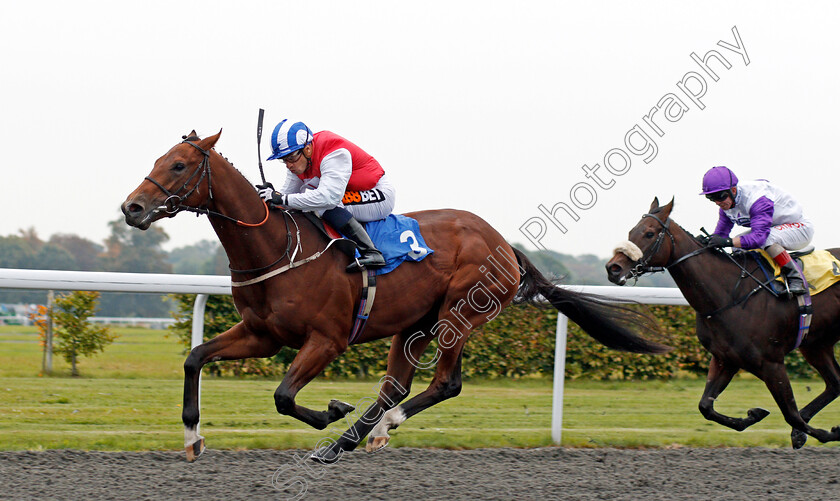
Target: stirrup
{"x":357,"y":265}
{"x":798,"y":291}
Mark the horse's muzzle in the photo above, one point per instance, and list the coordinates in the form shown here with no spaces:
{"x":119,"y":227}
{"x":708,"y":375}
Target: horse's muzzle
{"x":137,"y":214}
{"x":616,"y":271}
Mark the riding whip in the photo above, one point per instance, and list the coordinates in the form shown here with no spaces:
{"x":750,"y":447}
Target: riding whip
{"x":259,"y":138}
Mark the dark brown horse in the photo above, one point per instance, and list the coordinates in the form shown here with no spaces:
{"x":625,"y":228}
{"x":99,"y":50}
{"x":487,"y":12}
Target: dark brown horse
{"x":742,"y":324}
{"x":472,"y":274}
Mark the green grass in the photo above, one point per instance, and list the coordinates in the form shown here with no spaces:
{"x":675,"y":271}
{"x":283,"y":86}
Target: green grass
{"x":129,"y":398}
{"x":136,"y":353}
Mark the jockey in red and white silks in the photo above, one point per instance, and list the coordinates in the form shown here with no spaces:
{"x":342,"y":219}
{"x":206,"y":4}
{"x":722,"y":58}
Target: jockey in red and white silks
{"x":333,"y":177}
{"x":340,"y":175}
{"x":774,"y":217}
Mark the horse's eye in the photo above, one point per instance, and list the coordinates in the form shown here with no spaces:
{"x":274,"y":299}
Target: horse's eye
{"x":179,"y":166}
{"x":649,"y":234}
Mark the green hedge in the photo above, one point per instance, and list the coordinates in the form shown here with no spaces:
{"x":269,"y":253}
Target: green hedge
{"x":518,"y":342}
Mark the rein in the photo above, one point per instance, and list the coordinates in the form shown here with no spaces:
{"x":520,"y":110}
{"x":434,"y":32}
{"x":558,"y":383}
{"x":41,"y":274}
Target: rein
{"x":642,"y":267}
{"x":174,"y":204}
{"x":744,"y":274}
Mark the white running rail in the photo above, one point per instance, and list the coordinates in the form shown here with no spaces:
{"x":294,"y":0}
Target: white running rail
{"x":203,"y":285}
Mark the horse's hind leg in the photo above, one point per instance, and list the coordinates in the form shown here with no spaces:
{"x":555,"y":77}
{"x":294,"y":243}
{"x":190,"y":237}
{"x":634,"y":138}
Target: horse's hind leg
{"x":775,"y":377}
{"x":822,"y":359}
{"x":445,"y":384}
{"x":318,"y":351}
{"x":720,"y":374}
{"x":406,"y":350}
{"x":234,"y":344}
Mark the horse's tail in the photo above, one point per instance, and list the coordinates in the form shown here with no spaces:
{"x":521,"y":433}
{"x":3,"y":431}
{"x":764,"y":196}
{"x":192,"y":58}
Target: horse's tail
{"x":609,"y":323}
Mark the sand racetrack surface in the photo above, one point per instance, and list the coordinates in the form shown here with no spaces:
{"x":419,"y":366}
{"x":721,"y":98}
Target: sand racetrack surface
{"x":544,"y":473}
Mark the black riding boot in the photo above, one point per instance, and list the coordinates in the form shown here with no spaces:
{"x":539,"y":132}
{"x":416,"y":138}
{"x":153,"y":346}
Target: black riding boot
{"x":370,"y":255}
{"x":795,"y":281}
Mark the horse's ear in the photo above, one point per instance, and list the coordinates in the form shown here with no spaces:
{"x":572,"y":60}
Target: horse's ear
{"x":654,"y":204}
{"x":666,"y":210}
{"x":210,"y":141}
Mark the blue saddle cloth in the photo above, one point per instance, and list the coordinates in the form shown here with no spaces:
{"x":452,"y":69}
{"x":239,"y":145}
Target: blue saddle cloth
{"x":398,"y":238}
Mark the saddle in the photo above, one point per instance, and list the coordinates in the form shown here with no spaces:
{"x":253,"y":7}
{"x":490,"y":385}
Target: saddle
{"x":343,"y":244}
{"x":802,"y":252}
{"x":820,"y":267}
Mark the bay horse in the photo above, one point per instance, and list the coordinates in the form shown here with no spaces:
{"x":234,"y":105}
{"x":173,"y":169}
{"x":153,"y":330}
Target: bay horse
{"x":742,"y":325}
{"x":471,"y":275}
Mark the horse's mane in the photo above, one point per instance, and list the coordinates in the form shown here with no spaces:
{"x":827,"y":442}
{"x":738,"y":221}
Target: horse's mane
{"x":693,"y":237}
{"x":742,"y":257}
{"x":231,"y":164}
{"x":195,"y":138}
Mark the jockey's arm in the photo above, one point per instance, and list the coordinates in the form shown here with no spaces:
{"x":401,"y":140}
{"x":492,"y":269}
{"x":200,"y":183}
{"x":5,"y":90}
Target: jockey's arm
{"x":292,"y":184}
{"x":724,"y":225}
{"x":336,"y":169}
{"x":761,"y":220}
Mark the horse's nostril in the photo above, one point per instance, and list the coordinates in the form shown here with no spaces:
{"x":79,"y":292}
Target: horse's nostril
{"x":135,"y":208}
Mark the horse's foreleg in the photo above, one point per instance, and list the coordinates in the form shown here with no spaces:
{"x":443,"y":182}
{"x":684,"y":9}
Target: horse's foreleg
{"x":236,"y":343}
{"x":822,"y":359}
{"x":313,"y":357}
{"x":720,"y":375}
{"x":775,"y":377}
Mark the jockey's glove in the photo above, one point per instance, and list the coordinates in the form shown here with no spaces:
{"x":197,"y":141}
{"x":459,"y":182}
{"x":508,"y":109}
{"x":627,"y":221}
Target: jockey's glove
{"x":717,"y":242}
{"x":270,"y":196}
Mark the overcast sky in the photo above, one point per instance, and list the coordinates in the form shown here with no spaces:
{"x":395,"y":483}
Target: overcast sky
{"x":487,"y":106}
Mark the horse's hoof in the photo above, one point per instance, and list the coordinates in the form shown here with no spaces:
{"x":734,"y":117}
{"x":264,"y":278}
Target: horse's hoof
{"x":325,"y":455}
{"x":195,"y":450}
{"x":757,"y":414}
{"x":798,"y":438}
{"x":338,"y":409}
{"x":376,"y":443}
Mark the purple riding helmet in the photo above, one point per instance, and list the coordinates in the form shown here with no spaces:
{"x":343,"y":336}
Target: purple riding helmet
{"x":717,"y":179}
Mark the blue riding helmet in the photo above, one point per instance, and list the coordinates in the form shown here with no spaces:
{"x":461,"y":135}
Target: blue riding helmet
{"x":288,"y":137}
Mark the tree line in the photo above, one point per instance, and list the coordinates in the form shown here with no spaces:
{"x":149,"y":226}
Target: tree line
{"x":131,"y":250}
{"x":125,"y":250}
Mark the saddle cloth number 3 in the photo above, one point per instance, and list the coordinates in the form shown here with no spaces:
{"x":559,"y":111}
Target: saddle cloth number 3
{"x":417,"y":252}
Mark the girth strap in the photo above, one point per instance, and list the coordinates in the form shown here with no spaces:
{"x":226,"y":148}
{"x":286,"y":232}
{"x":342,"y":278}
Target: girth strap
{"x":365,"y":304}
{"x":806,"y":311}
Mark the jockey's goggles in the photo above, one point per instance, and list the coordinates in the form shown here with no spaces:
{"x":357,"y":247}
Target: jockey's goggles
{"x":718,"y":196}
{"x":291,"y":157}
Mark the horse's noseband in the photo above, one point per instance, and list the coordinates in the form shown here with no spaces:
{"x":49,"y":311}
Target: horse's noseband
{"x":643,"y":264}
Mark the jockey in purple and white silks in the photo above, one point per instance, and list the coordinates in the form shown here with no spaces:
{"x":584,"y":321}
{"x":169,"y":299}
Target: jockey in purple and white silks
{"x":773,"y":216}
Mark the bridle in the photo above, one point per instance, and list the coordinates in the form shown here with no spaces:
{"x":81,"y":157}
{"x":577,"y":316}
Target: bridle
{"x":643,"y":267}
{"x":174,"y":204}
{"x":174,"y":201}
